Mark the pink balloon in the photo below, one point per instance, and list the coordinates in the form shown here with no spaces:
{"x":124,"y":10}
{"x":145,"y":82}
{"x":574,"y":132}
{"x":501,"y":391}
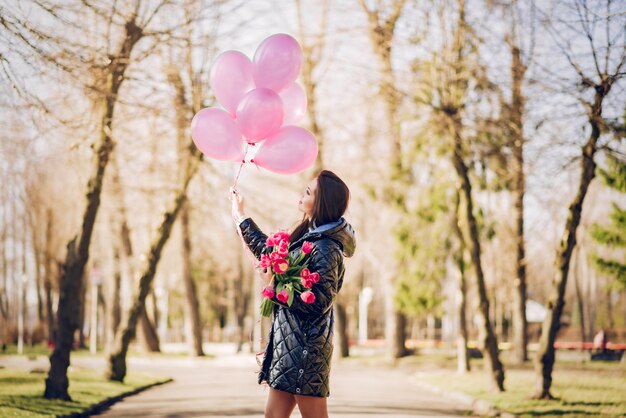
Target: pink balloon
{"x":231,"y":78}
{"x":290,"y":150}
{"x":216,"y":134}
{"x":276,"y":62}
{"x":260,"y":114}
{"x":294,"y":103}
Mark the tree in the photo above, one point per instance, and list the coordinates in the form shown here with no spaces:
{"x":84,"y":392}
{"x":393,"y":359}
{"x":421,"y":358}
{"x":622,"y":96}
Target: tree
{"x":186,"y":103}
{"x":460,"y":249}
{"x":117,"y":358}
{"x":613,"y":234}
{"x":597,"y":79}
{"x":381,"y":31}
{"x":312,"y":48}
{"x":447,"y":77}
{"x":514,"y":111}
{"x":183,"y":115}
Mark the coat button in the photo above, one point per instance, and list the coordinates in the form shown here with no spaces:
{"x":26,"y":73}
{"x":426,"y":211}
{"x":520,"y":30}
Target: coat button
{"x":301,"y":371}
{"x":304,"y":352}
{"x":298,"y":390}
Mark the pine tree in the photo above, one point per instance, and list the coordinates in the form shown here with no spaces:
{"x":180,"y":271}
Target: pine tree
{"x":612,"y":234}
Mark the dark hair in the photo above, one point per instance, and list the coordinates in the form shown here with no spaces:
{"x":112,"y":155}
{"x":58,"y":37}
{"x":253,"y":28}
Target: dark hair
{"x":330,"y":203}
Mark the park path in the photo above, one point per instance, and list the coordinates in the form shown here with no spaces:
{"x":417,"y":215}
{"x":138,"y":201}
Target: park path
{"x":226,"y":387}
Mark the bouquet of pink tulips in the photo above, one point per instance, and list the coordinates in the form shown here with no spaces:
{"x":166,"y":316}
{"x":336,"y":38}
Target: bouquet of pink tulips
{"x":291,"y":277}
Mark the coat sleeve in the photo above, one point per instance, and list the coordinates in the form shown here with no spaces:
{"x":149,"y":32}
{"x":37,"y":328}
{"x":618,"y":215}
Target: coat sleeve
{"x":325,"y":260}
{"x":253,"y":237}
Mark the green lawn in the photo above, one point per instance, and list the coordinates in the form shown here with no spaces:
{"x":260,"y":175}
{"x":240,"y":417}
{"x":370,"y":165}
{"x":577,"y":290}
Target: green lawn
{"x":21,"y":392}
{"x":598,"y":390}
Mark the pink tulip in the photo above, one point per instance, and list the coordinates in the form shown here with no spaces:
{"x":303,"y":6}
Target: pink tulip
{"x":266,"y":261}
{"x":282,"y":236}
{"x":306,"y":282}
{"x":274,"y":256}
{"x":307,"y":247}
{"x":281,"y":266}
{"x":269,"y":292}
{"x":270,"y":241}
{"x":314,"y":277}
{"x":283,"y":249}
{"x":307,"y":297}
{"x":283,"y":296}
{"x":305,"y":273}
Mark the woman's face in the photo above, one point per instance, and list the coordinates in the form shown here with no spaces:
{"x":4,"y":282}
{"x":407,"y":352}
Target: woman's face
{"x":307,"y":198}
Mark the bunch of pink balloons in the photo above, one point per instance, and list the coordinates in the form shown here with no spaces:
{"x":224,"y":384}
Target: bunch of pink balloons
{"x":262,"y":104}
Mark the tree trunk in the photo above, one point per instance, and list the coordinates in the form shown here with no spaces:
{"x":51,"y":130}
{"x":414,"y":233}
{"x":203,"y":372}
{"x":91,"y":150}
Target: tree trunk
{"x":81,"y":316}
{"x":117,"y":359}
{"x":192,"y":307}
{"x":47,"y":283}
{"x":518,"y":101}
{"x":544,"y":361}
{"x":463,"y":358}
{"x":71,"y":281}
{"x":68,"y":312}
{"x":609,"y":309}
{"x":24,"y":277}
{"x":452,"y":110}
{"x":115,"y":311}
{"x":150,"y":338}
{"x":579,"y":297}
{"x":39,"y":260}
{"x":341,"y":327}
{"x":381,"y":33}
{"x":490,"y":342}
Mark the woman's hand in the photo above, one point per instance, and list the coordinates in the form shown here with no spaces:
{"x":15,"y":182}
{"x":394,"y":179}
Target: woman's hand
{"x":236,"y":204}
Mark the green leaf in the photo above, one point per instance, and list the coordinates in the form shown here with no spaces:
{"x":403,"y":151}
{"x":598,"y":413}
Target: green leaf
{"x":267,"y":307}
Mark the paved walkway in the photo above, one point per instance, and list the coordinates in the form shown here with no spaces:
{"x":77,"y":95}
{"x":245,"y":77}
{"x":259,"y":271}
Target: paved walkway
{"x":226,"y":387}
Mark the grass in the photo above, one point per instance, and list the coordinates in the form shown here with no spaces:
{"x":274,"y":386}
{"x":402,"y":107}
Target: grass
{"x":585,"y":388}
{"x":21,"y":392}
{"x":593,"y":391}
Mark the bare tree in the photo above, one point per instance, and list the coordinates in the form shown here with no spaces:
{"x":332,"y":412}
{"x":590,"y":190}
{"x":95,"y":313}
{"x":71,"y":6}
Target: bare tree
{"x":448,"y":76}
{"x":184,"y":111}
{"x":187,"y":103}
{"x":381,"y":31}
{"x":117,"y":359}
{"x":312,"y":49}
{"x":596,"y":25}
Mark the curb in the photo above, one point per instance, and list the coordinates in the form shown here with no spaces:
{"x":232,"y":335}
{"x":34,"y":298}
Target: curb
{"x":479,"y":406}
{"x":105,"y":404}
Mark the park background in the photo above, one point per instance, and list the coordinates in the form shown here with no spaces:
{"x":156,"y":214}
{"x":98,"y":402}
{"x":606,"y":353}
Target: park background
{"x":482,"y":142}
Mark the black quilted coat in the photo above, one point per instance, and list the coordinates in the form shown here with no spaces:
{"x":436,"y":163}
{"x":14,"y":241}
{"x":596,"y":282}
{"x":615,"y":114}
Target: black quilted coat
{"x":299,"y":350}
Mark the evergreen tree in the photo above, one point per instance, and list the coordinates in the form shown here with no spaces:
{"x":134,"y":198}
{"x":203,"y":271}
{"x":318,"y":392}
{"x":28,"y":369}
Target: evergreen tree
{"x":613,"y":233}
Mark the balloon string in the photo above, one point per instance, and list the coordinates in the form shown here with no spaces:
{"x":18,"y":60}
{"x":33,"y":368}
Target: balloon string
{"x":243,"y":161}
{"x":238,"y":173}
{"x":253,"y":261}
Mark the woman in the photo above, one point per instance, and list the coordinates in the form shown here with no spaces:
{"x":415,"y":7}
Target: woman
{"x":296,"y":363}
